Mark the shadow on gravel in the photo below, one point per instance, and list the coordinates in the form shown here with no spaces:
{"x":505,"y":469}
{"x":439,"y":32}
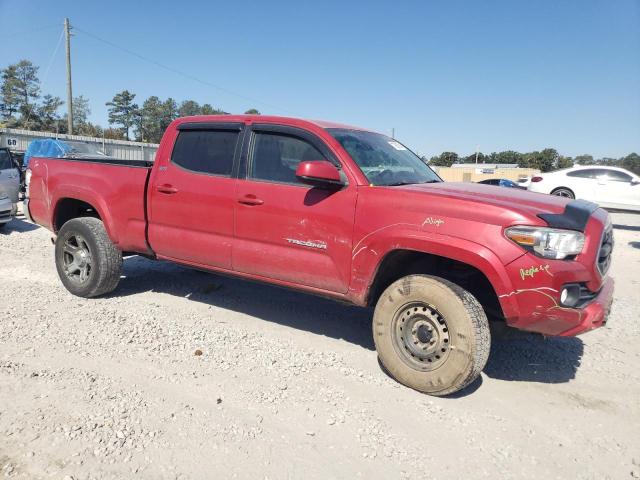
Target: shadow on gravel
{"x":522,"y":356}
{"x":634,"y":244}
{"x":285,"y":307}
{"x":18,"y":224}
{"x":515,"y":355}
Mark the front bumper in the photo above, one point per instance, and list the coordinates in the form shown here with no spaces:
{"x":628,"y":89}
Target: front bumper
{"x":541,"y":311}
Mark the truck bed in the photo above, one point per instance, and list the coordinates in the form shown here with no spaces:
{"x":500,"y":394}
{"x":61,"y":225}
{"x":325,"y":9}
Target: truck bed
{"x":116,"y":188}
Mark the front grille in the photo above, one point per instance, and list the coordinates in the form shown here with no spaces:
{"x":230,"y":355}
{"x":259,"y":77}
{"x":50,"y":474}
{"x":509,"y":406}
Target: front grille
{"x":604,"y":254}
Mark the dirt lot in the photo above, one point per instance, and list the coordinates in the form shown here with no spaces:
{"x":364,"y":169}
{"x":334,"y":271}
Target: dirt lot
{"x":288,"y":385}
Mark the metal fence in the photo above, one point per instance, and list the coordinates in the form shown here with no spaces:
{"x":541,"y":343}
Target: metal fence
{"x":17,"y":141}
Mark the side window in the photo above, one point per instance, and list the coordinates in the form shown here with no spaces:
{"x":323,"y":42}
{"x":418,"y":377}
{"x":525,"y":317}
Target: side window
{"x":5,"y":160}
{"x":206,"y":151}
{"x":586,"y":173}
{"x":276,"y":157}
{"x":616,"y":176}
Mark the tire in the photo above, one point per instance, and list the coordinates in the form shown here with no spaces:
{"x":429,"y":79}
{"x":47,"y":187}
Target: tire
{"x":88,"y":263}
{"x":563,"y":192}
{"x":430,"y":334}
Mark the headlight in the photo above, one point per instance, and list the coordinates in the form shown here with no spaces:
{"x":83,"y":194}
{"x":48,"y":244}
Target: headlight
{"x":547,"y":242}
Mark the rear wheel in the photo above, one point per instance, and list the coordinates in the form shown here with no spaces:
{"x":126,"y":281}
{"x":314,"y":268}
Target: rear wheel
{"x":431,"y":334}
{"x":563,"y":192}
{"x":88,"y":263}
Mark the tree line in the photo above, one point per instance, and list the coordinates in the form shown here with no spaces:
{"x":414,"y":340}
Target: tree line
{"x":545,"y":160}
{"x":23,"y":105}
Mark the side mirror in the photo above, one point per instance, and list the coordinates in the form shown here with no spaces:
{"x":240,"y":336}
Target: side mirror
{"x":319,"y":173}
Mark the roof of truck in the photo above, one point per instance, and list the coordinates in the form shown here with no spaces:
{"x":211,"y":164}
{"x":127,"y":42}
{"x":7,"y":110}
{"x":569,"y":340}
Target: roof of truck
{"x":267,"y":119}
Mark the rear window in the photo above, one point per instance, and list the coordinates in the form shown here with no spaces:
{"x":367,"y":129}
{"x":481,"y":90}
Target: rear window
{"x":206,"y":151}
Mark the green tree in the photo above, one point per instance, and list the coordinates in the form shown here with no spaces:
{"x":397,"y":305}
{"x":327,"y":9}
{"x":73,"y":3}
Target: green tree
{"x":564,"y":162}
{"x":584,"y":160}
{"x":252,"y":111}
{"x":151,"y":117}
{"x":632,"y":162}
{"x":169,"y":113}
{"x":20,"y":89}
{"x":123,"y":111}
{"x":445,"y":159}
{"x":207,"y":109}
{"x":189,"y":108}
{"x":46,"y":116}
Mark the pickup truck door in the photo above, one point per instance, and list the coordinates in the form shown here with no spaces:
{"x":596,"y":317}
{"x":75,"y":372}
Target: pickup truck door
{"x":287,"y":230}
{"x":192,"y":195}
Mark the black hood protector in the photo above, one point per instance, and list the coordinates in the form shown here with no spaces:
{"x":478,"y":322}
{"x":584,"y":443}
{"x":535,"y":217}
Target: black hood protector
{"x":575,"y":216}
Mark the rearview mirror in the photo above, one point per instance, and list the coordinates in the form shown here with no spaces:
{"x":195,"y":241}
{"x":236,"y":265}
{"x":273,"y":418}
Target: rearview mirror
{"x":319,"y":173}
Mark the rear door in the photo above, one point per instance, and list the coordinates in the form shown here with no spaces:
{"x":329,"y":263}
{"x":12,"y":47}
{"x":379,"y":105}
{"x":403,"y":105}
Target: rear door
{"x":192,"y":195}
{"x":9,"y":176}
{"x":287,"y":230}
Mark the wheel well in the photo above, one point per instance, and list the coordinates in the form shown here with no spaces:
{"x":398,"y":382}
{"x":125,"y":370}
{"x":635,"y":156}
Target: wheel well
{"x":70,"y":208}
{"x":562,"y":188}
{"x":400,"y":263}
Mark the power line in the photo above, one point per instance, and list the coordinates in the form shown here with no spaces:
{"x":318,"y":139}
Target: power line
{"x":46,"y":72}
{"x":179,"y":72}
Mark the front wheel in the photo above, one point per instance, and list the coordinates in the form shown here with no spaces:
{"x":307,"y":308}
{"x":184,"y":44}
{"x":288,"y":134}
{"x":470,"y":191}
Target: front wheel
{"x":88,"y":263}
{"x":430,"y":334}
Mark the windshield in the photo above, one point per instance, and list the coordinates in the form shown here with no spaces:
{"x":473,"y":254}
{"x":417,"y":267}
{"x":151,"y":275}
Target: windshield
{"x":383,"y":160}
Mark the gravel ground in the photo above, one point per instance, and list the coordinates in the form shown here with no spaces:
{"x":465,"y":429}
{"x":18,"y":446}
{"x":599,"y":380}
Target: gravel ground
{"x":181,"y":374}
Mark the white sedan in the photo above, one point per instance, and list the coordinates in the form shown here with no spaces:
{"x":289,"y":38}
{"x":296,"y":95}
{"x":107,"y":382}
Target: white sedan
{"x":609,"y":187}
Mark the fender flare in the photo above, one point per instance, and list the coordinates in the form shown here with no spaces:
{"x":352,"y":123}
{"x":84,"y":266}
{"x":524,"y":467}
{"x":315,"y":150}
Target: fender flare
{"x":367,"y":257}
{"x":75,"y":192}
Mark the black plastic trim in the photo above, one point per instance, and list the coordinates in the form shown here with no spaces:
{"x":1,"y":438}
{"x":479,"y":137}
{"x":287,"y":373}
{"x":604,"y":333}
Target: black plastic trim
{"x":108,"y":161}
{"x":211,"y":126}
{"x":575,"y":216}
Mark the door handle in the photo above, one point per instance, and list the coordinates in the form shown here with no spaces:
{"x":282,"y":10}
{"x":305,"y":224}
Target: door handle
{"x":250,"y":199}
{"x":166,"y":188}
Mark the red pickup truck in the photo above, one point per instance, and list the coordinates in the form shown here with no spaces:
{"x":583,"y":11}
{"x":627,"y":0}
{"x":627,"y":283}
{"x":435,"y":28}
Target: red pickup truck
{"x":341,"y":212}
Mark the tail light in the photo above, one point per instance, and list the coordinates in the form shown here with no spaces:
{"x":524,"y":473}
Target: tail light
{"x":536,"y":179}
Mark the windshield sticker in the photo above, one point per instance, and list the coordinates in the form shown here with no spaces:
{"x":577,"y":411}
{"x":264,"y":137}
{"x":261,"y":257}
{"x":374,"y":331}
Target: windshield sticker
{"x":396,"y":145}
{"x":531,"y":271}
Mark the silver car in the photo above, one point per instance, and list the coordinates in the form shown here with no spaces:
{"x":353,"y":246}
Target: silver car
{"x":9,"y":180}
{"x":6,"y":208}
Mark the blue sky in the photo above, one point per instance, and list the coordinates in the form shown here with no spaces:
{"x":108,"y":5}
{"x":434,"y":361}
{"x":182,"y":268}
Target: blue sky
{"x":447,"y":75}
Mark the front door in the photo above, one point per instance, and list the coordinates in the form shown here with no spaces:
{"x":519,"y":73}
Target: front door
{"x":287,"y":230}
{"x":192,"y":196}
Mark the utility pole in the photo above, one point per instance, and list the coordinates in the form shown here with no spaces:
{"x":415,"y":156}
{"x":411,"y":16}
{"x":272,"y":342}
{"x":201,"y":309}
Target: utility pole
{"x":393,"y":133}
{"x":67,"y":33}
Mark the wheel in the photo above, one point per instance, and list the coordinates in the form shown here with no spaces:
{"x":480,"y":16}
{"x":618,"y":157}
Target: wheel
{"x":430,"y":334}
{"x":563,"y":192}
{"x":88,"y":263}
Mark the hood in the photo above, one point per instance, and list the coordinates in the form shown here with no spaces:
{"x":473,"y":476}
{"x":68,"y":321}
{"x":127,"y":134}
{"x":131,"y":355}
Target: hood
{"x":493,"y":204}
